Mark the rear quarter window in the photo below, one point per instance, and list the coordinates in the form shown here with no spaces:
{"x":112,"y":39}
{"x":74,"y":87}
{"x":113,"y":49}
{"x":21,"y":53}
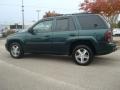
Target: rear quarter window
{"x":90,"y":22}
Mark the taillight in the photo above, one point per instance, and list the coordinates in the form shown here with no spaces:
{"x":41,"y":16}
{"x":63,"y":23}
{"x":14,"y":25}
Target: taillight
{"x":108,"y":36}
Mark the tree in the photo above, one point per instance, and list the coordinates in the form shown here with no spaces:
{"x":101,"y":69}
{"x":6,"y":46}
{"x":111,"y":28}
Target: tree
{"x":110,"y":9}
{"x":51,"y":14}
{"x":118,"y":24}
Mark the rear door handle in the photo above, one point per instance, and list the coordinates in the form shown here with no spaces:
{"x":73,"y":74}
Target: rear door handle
{"x":47,"y":36}
{"x":72,"y":35}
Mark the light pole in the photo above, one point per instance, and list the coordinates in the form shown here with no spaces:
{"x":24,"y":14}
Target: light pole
{"x":38,"y":11}
{"x":23,"y":15}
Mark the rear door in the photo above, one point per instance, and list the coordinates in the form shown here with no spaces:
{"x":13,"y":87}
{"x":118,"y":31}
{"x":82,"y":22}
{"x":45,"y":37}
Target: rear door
{"x":64,"y":30}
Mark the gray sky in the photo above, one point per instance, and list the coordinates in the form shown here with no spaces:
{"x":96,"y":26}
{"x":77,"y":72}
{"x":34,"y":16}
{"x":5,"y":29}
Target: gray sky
{"x":10,"y":10}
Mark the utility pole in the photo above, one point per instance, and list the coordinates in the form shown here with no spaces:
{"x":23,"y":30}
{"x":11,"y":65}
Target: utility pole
{"x":38,"y":11}
{"x":23,"y":15}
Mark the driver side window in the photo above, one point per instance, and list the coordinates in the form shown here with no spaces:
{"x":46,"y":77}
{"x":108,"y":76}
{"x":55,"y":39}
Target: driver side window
{"x":44,"y":26}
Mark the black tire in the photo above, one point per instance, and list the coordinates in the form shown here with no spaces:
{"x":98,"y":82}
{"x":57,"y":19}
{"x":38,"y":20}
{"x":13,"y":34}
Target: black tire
{"x":79,"y":60}
{"x":20,"y":54}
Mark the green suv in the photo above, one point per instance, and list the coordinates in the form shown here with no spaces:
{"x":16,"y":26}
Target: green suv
{"x":81,"y":36}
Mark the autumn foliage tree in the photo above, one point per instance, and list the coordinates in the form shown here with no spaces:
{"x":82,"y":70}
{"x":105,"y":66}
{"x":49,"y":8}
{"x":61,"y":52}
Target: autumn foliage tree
{"x":51,"y":14}
{"x":110,"y":9}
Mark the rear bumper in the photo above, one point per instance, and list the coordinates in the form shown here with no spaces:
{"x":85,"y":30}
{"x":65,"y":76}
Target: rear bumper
{"x":107,"y":49}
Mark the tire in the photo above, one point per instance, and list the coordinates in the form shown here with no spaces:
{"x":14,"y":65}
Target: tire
{"x":16,"y":50}
{"x":83,"y":55}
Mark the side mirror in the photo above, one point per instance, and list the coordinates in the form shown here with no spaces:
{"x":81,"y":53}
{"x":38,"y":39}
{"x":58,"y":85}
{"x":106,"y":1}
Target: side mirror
{"x":30,"y":30}
{"x":95,"y":25}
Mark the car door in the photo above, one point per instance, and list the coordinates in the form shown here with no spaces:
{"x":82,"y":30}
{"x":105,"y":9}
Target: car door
{"x":65,"y":29}
{"x":40,"y":39}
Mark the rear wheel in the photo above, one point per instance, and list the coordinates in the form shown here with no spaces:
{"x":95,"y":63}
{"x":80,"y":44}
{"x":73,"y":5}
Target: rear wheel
{"x":82,"y":55}
{"x":16,"y":50}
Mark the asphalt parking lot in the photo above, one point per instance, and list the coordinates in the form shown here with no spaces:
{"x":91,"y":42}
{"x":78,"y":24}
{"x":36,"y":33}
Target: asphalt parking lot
{"x":46,"y":72}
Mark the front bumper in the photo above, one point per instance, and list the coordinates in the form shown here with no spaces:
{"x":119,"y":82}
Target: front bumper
{"x":6,"y":46}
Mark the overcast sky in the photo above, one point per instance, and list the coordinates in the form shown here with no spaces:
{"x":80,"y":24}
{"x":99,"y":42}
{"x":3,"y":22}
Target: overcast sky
{"x":10,"y":10}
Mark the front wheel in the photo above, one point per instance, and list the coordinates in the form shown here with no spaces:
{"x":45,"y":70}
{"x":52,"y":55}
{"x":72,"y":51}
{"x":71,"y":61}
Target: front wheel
{"x":83,"y":55}
{"x":16,"y":50}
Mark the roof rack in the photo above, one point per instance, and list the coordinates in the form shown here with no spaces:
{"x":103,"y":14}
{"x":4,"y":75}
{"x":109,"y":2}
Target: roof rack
{"x":69,"y":14}
{"x":76,"y":13}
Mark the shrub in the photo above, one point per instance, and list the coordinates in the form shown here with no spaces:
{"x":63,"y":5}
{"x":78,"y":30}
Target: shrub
{"x":8,"y":32}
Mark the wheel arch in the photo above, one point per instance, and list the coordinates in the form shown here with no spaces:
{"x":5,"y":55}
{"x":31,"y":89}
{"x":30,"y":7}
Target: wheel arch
{"x":82,"y":42}
{"x":14,"y":41}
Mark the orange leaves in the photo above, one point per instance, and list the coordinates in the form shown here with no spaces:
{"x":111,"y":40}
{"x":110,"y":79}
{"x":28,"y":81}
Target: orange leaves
{"x":51,"y":14}
{"x":105,"y":7}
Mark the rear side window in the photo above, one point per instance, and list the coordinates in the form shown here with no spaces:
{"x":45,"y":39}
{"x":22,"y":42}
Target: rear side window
{"x":65,"y":24}
{"x":89,"y":22}
{"x":62,"y":24}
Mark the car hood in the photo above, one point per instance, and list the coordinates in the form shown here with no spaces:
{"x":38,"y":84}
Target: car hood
{"x":16,"y":35}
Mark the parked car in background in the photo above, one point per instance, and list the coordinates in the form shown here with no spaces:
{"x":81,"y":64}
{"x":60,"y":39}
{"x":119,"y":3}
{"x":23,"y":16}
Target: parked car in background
{"x":1,"y":35}
{"x":116,"y":32}
{"x":1,"y":32}
{"x":81,"y":36}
